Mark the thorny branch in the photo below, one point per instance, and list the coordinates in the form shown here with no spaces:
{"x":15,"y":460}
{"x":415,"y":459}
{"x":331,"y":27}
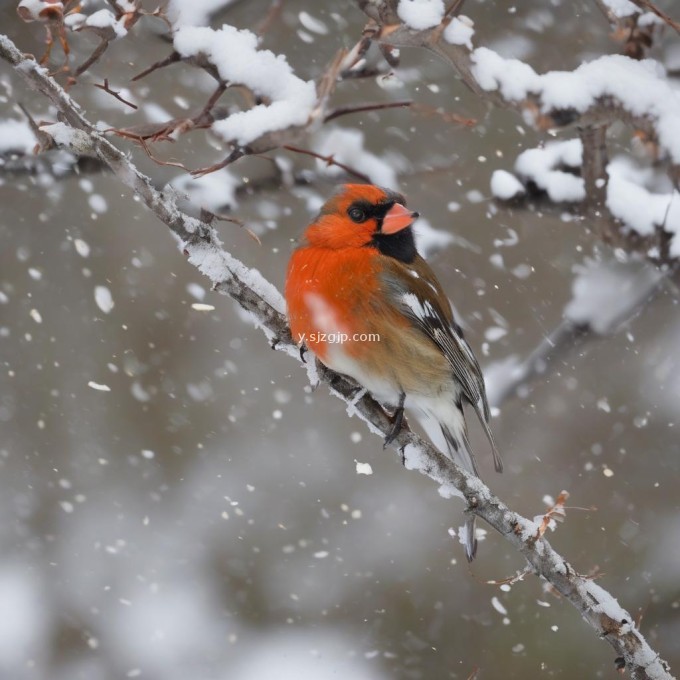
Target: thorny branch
{"x":258,"y":296}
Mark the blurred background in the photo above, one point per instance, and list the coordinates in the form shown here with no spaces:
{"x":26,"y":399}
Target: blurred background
{"x":178,"y":504}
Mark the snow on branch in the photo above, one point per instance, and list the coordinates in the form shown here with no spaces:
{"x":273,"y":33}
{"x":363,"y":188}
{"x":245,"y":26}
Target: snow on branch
{"x":609,"y":88}
{"x":200,"y":243}
{"x":280,"y":106}
{"x":599,"y":91}
{"x":605,"y":90}
{"x":235,"y":55}
{"x":640,"y":200}
{"x":60,"y":18}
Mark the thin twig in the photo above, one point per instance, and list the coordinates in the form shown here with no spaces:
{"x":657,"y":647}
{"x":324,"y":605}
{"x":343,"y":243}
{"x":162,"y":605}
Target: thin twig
{"x":329,"y":160}
{"x":209,"y":217}
{"x":210,"y":104}
{"x":93,"y":58}
{"x":446,"y":116}
{"x":115,"y":93}
{"x":172,"y":58}
{"x":269,"y":18}
{"x":357,"y":108}
{"x":594,"y":164}
{"x":231,"y":158}
{"x":455,"y":9}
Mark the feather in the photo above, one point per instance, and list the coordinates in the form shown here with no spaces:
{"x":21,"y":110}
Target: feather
{"x":446,"y":417}
{"x":419,"y":296}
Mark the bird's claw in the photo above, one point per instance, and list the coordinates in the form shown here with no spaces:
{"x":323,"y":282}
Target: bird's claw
{"x":397,"y":421}
{"x":303,"y":351}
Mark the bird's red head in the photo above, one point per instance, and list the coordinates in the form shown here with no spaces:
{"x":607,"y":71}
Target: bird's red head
{"x":361,"y":215}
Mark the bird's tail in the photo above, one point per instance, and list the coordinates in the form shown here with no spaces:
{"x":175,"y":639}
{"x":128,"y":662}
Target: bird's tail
{"x":460,"y":451}
{"x":459,"y":447}
{"x":484,"y":416}
{"x":444,"y":423}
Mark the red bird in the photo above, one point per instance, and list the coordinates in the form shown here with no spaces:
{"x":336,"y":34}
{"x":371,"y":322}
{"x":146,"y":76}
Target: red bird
{"x":368,"y":305}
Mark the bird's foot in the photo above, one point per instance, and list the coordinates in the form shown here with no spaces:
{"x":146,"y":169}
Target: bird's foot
{"x":397,"y":421}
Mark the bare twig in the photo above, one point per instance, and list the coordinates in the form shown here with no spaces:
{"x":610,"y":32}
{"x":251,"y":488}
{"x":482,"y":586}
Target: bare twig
{"x":209,"y":217}
{"x":454,"y":9}
{"x":231,"y":158}
{"x":258,"y":296}
{"x":594,"y":165}
{"x":555,"y":513}
{"x":518,"y":576}
{"x":329,"y":160}
{"x":172,"y":58}
{"x":446,"y":116}
{"x":204,"y":115}
{"x":93,"y":58}
{"x":357,"y":108}
{"x":269,"y":18}
{"x":158,"y":161}
{"x":115,"y":93}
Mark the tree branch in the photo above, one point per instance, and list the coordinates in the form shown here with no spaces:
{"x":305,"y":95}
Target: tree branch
{"x":651,"y":7}
{"x":594,"y":165}
{"x":328,"y":160}
{"x":368,"y":106}
{"x":200,"y":242}
{"x":523,"y":89}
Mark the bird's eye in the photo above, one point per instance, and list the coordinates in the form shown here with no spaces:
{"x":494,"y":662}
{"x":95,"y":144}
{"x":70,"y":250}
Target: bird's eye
{"x":357,"y":214}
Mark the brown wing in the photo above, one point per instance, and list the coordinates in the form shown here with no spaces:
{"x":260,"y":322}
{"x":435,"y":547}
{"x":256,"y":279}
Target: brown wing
{"x":416,"y":292}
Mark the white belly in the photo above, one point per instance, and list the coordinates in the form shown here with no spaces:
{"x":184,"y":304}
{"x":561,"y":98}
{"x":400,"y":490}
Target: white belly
{"x":384,"y":390}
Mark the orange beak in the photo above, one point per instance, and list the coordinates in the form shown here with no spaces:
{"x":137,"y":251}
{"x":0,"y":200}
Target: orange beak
{"x":397,"y":218}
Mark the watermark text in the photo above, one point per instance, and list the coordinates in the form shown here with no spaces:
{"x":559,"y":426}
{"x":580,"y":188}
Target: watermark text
{"x":337,"y":338}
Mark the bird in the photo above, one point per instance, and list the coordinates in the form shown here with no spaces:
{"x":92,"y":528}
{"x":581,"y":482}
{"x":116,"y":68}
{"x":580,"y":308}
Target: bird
{"x":361,"y":298}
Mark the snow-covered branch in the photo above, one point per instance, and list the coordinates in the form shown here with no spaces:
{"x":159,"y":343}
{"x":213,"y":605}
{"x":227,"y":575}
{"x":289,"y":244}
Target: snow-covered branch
{"x":609,"y":194}
{"x":60,"y":19}
{"x":608,"y":89}
{"x":256,"y":295}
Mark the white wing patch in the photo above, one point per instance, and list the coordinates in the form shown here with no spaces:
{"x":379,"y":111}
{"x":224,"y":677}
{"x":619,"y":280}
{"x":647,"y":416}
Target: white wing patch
{"x":421,"y":309}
